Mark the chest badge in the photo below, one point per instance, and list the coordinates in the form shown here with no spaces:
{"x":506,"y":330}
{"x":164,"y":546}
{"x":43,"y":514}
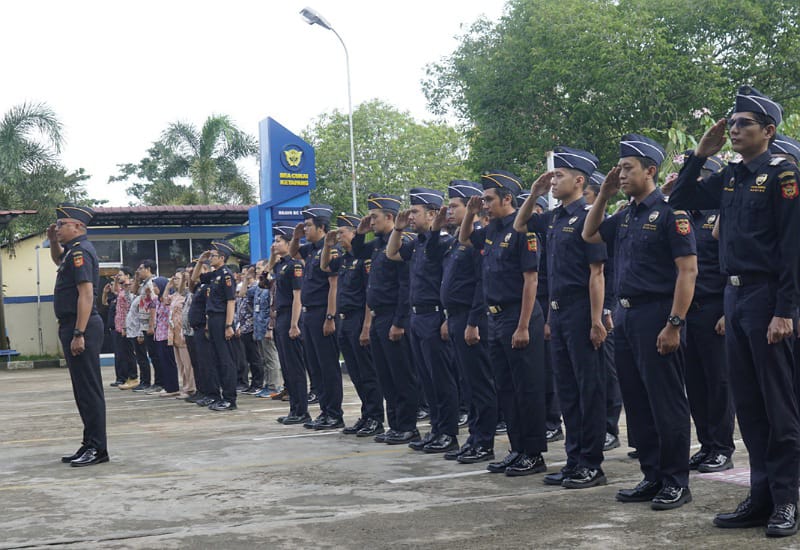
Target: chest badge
{"x":653,"y":217}
{"x":507,"y":237}
{"x":712,"y":218}
{"x":573,"y":219}
{"x":761,"y":179}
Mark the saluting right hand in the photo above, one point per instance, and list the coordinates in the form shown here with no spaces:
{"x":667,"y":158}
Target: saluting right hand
{"x":299,"y":232}
{"x":364,"y":226}
{"x":402,"y":220}
{"x":713,"y":140}
{"x":542,"y":185}
{"x":330,"y":239}
{"x":51,"y":233}
{"x":440,"y":219}
{"x":474,"y":205}
{"x":611,"y":185}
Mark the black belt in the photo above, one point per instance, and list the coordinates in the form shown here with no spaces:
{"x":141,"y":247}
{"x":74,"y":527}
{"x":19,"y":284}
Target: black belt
{"x":348,"y":314}
{"x":568,"y":299}
{"x":456,"y":309}
{"x":701,"y":301}
{"x":498,"y":308}
{"x":309,"y":308}
{"x":283,"y":309}
{"x":215,"y":313}
{"x":634,"y":301}
{"x":377,"y":310}
{"x":426,"y":308}
{"x":747,"y":279}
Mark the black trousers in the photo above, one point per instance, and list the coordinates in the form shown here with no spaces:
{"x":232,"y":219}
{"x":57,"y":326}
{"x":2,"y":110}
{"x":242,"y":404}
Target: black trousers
{"x":358,"y":360}
{"x":552,"y":410}
{"x":707,"y":378}
{"x":254,"y":361}
{"x":169,"y":368}
{"x":293,"y":368}
{"x":476,"y":371}
{"x":396,"y":374}
{"x":239,"y":360}
{"x":142,"y":360}
{"x":87,"y":382}
{"x":152,"y":351}
{"x":438,"y":374}
{"x":762,"y":377}
{"x":581,"y":382}
{"x":653,"y":392}
{"x":221,"y":356}
{"x":322,"y":353}
{"x":613,"y":394}
{"x":205,"y":374}
{"x":190,"y":345}
{"x":519,"y":376}
{"x":124,"y":357}
{"x":312,"y":369}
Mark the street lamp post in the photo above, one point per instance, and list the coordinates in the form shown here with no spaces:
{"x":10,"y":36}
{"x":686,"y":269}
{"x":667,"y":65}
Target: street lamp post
{"x":313,"y":18}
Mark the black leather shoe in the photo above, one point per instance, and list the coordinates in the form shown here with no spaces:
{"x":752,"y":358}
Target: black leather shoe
{"x":402,"y":438}
{"x":558,"y":478}
{"x":746,"y":515}
{"x":441,"y":444}
{"x":554,"y":435}
{"x":78,"y":453}
{"x":423,"y":414}
{"x":381,"y":438}
{"x":697,"y":458}
{"x":455,"y":453}
{"x":643,"y":492}
{"x":611,"y":442}
{"x":500,"y":467}
{"x":715,"y":463}
{"x":310,"y":424}
{"x":352,"y":430}
{"x":313,"y":398}
{"x":633,"y":454}
{"x":670,"y":497}
{"x":526,"y":465}
{"x":330,"y":423}
{"x":205,"y":402}
{"x":294,"y":419}
{"x":371,"y":427}
{"x":420,"y":443}
{"x":783,"y":521}
{"x":476,"y":454}
{"x":116,"y":383}
{"x":584,"y":478}
{"x":223,"y":406}
{"x":90,"y":457}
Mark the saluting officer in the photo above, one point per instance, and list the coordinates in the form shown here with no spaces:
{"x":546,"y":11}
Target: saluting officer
{"x":220,"y":306}
{"x":80,"y":327}
{"x":758,"y":229}
{"x":656,"y":267}
{"x":467,"y":327}
{"x":354,"y":323}
{"x":437,"y":371}
{"x":516,"y":321}
{"x":206,"y":377}
{"x":577,"y":332}
{"x":288,"y":283}
{"x":318,"y":296}
{"x":707,"y":378}
{"x":387,"y":298}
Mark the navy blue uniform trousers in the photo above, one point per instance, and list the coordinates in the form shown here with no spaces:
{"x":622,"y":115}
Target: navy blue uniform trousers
{"x":613,"y":394}
{"x":581,"y":383}
{"x":323,"y":353}
{"x":438,"y":377}
{"x":476,"y":371}
{"x":519,"y":376}
{"x":206,"y":377}
{"x":396,"y":374}
{"x":653,"y":392}
{"x":290,"y":355}
{"x":552,"y":411}
{"x":222,"y":356}
{"x":360,"y":367}
{"x":87,"y":382}
{"x":707,"y":379}
{"x":762,"y":377}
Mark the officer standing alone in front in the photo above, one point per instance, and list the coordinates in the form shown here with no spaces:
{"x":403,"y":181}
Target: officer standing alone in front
{"x":80,"y":328}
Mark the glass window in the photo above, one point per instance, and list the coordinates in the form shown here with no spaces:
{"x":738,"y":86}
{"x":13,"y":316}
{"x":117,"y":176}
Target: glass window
{"x":199,"y":246}
{"x":107,"y":251}
{"x":133,"y":252}
{"x":172,"y":254}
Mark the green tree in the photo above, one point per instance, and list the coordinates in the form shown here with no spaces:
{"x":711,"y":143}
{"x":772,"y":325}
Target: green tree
{"x":584,"y":72}
{"x":393,"y":154}
{"x":207,"y":156}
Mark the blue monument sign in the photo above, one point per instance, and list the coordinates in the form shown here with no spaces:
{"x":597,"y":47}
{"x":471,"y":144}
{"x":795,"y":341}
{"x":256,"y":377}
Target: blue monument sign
{"x":288,"y":174}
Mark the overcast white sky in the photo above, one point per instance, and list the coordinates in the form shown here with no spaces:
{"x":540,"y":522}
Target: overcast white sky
{"x":117,"y":73}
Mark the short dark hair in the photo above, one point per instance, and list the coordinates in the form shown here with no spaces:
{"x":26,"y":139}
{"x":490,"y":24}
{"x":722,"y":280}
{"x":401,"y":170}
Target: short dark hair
{"x":647,"y":163}
{"x":324,"y":224}
{"x":764,"y":121}
{"x":286,"y":238}
{"x":149,"y":264}
{"x":503,"y":192}
{"x":126,"y":270}
{"x":594,"y":188}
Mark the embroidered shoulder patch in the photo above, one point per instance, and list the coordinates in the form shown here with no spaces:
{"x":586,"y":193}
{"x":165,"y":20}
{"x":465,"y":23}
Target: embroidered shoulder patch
{"x":77,"y":259}
{"x":298,"y":270}
{"x":683,"y":226}
{"x":533,"y":243}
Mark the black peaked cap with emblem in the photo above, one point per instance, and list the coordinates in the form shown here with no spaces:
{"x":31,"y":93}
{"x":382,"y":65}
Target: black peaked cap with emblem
{"x":500,"y":179}
{"x":750,"y":100}
{"x":223,"y":247}
{"x":83,"y":214}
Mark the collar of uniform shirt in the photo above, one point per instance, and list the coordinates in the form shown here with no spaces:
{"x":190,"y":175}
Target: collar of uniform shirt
{"x":319,"y":244}
{"x":572,"y":207}
{"x":505,"y":221}
{"x":757,"y":162}
{"x":653,"y":198}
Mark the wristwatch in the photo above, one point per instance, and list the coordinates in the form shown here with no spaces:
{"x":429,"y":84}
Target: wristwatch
{"x":676,"y":321}
{"x":77,"y":333}
{"x":228,"y":326}
{"x":329,"y":317}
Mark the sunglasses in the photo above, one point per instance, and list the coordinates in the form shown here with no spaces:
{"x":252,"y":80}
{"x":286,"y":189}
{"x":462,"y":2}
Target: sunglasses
{"x":742,"y":122}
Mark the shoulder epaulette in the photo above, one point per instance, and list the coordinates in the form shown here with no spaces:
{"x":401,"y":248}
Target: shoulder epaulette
{"x":738,"y":161}
{"x":680,"y":213}
{"x":776,"y":161}
{"x":587,"y":207}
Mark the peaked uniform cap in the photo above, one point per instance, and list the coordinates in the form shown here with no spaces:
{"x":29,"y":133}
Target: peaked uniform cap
{"x":425,"y":196}
{"x":463,"y":189}
{"x":575,"y":159}
{"x":500,"y":179}
{"x":750,"y":100}
{"x":317,"y":211}
{"x":636,"y":145}
{"x":348,"y":220}
{"x":383,"y":201}
{"x":83,"y":214}
{"x":285,"y":230}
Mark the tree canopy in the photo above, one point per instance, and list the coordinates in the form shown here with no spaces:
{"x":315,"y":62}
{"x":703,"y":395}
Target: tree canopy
{"x":585,"y":72}
{"x":393,"y":154}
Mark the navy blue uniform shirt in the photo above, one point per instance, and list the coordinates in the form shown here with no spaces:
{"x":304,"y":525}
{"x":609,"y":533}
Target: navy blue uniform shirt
{"x":568,"y":254}
{"x":388,"y":280}
{"x":506,"y":256}
{"x":710,"y":280}
{"x":316,"y":285}
{"x":543,"y":287}
{"x":78,"y":265}
{"x":351,"y":291}
{"x":759,"y":218}
{"x":462,"y":280}
{"x":221,"y":289}
{"x":288,"y":278}
{"x":197,"y":310}
{"x":647,"y":238}
{"x":425,"y":255}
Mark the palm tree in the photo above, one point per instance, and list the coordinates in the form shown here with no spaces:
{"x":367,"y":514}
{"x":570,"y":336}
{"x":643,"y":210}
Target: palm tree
{"x":210,"y":156}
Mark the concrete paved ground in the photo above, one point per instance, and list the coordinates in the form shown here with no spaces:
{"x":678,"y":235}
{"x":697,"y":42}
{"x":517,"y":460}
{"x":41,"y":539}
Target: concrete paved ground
{"x":181,"y":476}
